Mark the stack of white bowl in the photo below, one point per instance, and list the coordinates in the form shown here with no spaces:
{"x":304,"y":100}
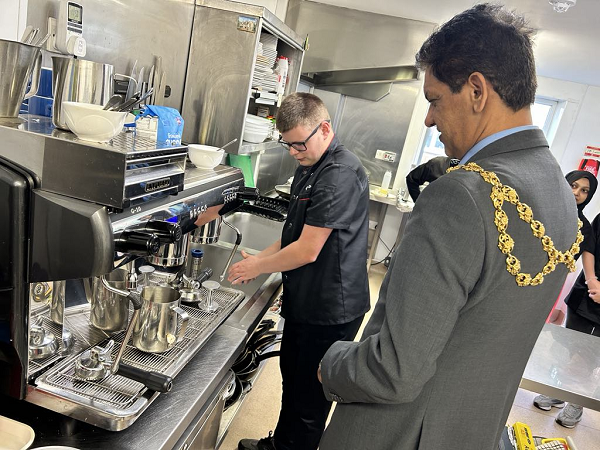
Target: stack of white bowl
{"x":257,"y":129}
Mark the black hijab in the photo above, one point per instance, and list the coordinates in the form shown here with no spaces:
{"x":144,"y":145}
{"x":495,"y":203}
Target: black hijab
{"x":578,"y":175}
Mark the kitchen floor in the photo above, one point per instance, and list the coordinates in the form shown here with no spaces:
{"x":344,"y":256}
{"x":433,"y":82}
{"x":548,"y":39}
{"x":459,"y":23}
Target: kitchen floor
{"x":260,"y":410}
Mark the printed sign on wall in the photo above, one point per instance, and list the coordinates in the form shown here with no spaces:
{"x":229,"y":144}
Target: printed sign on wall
{"x":592,"y":151}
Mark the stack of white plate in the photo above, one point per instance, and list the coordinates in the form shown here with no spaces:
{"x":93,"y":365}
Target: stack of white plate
{"x":256,"y":129}
{"x":269,"y":47}
{"x":261,"y":72}
{"x":269,"y":82}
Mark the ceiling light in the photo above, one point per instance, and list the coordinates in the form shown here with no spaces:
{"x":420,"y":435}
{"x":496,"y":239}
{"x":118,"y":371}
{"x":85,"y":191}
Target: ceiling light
{"x":561,"y":6}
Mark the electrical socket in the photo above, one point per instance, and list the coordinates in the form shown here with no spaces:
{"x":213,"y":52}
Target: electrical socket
{"x":385,"y":155}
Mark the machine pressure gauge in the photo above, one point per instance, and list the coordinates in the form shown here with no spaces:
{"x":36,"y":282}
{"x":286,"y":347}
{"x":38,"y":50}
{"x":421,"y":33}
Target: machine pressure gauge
{"x":69,"y":29}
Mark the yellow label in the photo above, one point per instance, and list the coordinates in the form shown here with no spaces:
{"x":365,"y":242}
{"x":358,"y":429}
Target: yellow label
{"x":523,"y":436}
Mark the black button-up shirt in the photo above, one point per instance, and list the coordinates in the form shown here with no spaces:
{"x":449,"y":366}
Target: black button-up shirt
{"x":333,"y":193}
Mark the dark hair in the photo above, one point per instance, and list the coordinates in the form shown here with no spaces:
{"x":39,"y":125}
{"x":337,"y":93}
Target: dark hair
{"x":487,"y":39}
{"x":300,"y":108}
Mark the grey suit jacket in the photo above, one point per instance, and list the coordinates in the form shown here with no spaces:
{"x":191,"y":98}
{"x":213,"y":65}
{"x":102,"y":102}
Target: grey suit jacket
{"x":440,"y":360}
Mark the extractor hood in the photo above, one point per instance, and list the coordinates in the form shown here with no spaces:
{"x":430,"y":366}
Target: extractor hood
{"x":356,"y":53}
{"x":367,"y":83}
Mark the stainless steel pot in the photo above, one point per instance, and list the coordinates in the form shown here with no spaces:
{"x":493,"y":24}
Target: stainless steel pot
{"x":109,"y":311}
{"x":18,"y":62}
{"x":162,"y":322}
{"x":78,"y":80}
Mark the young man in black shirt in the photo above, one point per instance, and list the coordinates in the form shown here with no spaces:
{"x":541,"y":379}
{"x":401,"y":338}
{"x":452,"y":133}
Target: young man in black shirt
{"x":322,"y":256}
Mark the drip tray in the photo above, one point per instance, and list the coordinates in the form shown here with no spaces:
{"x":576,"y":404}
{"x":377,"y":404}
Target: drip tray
{"x":116,"y":402}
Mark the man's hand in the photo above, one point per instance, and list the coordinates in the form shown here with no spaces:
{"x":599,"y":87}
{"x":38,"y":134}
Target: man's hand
{"x":245,"y":270}
{"x":595,"y":295}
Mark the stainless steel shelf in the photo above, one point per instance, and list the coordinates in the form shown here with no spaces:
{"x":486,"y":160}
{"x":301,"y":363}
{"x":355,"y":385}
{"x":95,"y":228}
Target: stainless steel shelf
{"x":249,"y":148}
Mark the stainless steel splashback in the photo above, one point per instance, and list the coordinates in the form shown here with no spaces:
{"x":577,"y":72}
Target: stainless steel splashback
{"x":121,"y":32}
{"x":274,"y":167}
{"x":364,"y":126}
{"x":343,"y":38}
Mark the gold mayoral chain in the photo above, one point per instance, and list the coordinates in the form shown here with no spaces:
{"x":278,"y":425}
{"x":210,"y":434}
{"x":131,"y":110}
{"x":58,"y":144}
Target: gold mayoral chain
{"x":499,"y":194}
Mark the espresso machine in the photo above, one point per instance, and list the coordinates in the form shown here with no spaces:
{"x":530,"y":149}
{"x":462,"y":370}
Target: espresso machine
{"x":94,"y":258}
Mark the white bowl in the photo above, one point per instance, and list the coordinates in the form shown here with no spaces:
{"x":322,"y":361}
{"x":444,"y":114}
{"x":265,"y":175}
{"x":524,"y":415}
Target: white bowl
{"x":255,"y":137}
{"x":205,"y":156}
{"x":91,"y":123}
{"x":255,"y":129}
{"x":251,"y":118}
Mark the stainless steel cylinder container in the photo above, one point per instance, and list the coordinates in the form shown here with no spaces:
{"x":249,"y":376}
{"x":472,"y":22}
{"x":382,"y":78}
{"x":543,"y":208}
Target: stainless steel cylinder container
{"x":162,"y":322}
{"x":18,"y":62}
{"x":109,"y":311}
{"x":78,"y":80}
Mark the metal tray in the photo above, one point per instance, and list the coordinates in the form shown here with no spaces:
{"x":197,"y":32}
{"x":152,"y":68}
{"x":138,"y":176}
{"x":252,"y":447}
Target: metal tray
{"x":116,"y":402}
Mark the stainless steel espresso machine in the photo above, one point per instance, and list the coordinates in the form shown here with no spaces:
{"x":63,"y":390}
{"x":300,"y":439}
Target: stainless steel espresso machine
{"x":78,"y":220}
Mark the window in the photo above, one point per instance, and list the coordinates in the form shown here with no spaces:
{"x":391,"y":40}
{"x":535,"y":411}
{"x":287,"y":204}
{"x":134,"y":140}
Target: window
{"x":545,"y":112}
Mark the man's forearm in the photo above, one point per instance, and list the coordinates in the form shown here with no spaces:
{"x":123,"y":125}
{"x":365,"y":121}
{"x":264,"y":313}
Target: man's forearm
{"x":288,"y":258}
{"x":270,"y":250}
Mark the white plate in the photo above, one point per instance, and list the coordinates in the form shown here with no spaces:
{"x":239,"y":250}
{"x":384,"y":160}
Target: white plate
{"x":15,"y":435}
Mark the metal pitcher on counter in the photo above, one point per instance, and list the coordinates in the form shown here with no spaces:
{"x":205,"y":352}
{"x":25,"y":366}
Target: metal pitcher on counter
{"x":109,"y":311}
{"x":18,"y":63}
{"x":162,"y":322}
{"x":78,"y":80}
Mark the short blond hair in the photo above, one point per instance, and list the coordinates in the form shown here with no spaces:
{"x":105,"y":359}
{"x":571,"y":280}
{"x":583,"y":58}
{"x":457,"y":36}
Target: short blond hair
{"x":301,"y":108}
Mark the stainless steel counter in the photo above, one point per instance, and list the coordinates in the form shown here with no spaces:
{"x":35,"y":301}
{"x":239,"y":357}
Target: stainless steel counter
{"x":565,"y":364}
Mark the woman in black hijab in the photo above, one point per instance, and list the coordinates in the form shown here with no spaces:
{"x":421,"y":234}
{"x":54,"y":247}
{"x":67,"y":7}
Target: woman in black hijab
{"x":584,"y":185}
{"x":583,"y":313}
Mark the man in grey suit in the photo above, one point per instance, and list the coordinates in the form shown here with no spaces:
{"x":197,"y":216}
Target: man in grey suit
{"x":473,"y":280}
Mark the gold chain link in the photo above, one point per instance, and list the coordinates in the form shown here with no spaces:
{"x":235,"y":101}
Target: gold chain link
{"x":501,"y":193}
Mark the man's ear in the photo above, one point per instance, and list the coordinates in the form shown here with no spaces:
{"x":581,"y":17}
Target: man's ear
{"x":478,"y":91}
{"x":326,"y":129}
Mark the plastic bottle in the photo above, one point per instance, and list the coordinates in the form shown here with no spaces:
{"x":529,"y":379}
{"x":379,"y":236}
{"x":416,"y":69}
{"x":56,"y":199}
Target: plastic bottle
{"x":385,"y":184}
{"x":281,"y":69}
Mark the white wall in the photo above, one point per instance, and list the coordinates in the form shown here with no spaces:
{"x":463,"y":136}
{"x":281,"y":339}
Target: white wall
{"x":13,"y":19}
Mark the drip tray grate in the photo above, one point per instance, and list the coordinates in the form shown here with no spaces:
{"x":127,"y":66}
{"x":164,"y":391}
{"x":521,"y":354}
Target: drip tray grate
{"x":119,"y":393}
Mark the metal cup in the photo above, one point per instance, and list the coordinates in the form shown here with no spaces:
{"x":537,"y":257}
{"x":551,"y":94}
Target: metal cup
{"x":18,"y":62}
{"x":160,"y":318}
{"x":78,"y":80}
{"x":109,"y":311}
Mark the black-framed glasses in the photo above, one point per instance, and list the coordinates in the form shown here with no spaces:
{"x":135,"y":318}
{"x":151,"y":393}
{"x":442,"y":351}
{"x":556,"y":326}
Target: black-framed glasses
{"x":300,"y":146}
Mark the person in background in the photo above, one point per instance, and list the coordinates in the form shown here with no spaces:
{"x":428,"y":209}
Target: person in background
{"x":466,"y":295}
{"x":426,"y":173}
{"x":583,"y":184}
{"x":322,"y":255}
{"x":583,"y":309}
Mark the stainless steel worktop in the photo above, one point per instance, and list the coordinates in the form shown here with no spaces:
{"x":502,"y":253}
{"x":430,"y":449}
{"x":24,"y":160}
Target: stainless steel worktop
{"x":565,"y":364}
